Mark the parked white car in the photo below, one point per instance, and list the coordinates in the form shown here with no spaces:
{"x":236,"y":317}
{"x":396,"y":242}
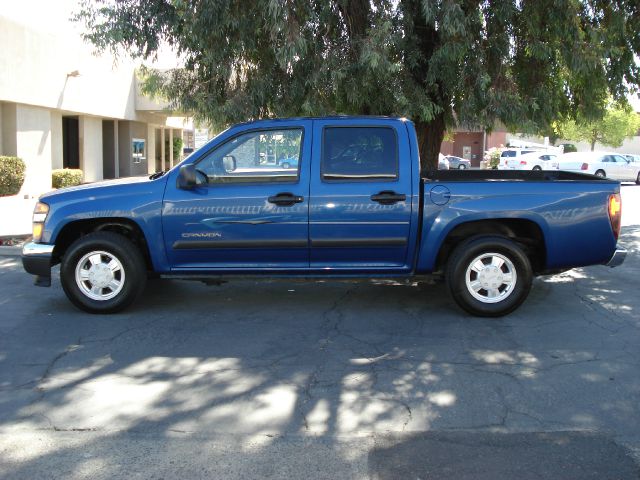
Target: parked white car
{"x":632,"y":158}
{"x":610,"y":165}
{"x":533,"y":161}
{"x":510,"y":153}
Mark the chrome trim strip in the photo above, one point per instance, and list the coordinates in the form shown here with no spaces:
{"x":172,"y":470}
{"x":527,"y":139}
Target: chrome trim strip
{"x":359,"y":242}
{"x":40,"y":249}
{"x":258,"y":244}
{"x":617,"y":258}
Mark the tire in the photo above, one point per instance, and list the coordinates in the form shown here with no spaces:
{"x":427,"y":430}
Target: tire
{"x":508,"y":281}
{"x":537,"y":168}
{"x":638,"y":179}
{"x":600,"y":173}
{"x":286,"y":166}
{"x":103,"y":272}
{"x":462,"y":166}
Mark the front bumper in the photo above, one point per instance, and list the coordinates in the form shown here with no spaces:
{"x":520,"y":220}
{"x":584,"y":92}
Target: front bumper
{"x":617,"y":258}
{"x":36,"y":260}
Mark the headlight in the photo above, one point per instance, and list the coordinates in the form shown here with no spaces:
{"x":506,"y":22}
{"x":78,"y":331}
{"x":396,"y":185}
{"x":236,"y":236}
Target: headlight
{"x":39,"y":216}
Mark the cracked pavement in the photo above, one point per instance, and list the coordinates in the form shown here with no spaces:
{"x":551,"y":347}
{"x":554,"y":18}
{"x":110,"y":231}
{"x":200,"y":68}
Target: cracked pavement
{"x":354,"y":379}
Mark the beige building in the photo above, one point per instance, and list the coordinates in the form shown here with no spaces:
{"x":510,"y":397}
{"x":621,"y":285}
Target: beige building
{"x":61,"y":106}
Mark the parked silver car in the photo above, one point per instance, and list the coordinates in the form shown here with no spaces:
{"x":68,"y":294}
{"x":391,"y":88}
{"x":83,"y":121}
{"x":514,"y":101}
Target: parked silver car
{"x":458,"y":163}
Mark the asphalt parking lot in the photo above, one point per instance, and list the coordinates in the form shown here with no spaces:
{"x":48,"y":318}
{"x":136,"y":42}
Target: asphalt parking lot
{"x":366,"y":379}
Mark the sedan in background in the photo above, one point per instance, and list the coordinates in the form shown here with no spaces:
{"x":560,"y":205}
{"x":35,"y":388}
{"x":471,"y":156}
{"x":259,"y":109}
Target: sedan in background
{"x":533,"y":161}
{"x":458,"y":163}
{"x":633,"y":159}
{"x":610,"y":165}
{"x":286,"y":163}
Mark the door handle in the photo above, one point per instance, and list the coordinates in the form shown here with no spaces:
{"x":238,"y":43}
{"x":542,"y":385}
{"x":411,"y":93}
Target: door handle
{"x":388,"y":197}
{"x":285,"y":199}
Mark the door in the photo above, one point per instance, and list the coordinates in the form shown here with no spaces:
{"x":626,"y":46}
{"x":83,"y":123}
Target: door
{"x":360,"y":210}
{"x":624,"y":171}
{"x":250,"y":213}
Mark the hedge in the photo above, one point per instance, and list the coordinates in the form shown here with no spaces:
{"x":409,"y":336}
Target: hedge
{"x":66,"y":177}
{"x":11,"y":175}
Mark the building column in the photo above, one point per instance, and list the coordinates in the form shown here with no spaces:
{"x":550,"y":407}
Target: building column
{"x":163,"y":152}
{"x":33,"y":145}
{"x":1,"y":134}
{"x":56,"y":140}
{"x":151,"y":149}
{"x":90,"y":132}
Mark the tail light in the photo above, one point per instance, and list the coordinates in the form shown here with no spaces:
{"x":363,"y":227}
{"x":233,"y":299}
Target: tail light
{"x":523,"y":162}
{"x":585,"y":166}
{"x":615,"y":213}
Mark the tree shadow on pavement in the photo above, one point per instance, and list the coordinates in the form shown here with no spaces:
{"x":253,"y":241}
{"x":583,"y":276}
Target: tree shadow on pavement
{"x":254,"y":363}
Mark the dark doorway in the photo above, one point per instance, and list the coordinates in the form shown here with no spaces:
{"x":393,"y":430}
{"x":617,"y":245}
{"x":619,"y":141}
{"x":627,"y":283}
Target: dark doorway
{"x":109,"y":150}
{"x":70,"y":142}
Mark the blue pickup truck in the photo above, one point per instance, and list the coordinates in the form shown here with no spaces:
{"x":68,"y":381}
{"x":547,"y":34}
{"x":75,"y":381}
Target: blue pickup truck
{"x":356,"y":205}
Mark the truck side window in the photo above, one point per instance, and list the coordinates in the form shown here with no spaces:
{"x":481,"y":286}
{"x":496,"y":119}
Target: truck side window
{"x":255,"y":157}
{"x":359,"y":153}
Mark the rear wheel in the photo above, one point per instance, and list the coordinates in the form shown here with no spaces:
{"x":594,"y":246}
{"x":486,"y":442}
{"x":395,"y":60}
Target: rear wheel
{"x":286,"y":166}
{"x":601,"y":173}
{"x":462,"y":166}
{"x":102,"y":272}
{"x":638,"y":179}
{"x":537,"y":168}
{"x":489,"y":276}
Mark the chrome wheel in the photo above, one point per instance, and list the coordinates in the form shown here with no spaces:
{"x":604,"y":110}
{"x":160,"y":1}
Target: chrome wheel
{"x":99,"y":275}
{"x":490,"y":277}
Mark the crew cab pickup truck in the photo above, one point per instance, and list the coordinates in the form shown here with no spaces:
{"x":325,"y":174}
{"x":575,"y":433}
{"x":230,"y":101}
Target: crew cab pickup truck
{"x":355,"y":205}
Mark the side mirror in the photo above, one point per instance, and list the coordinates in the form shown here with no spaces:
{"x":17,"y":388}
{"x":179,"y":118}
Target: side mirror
{"x":229,"y":164}
{"x":187,"y":177}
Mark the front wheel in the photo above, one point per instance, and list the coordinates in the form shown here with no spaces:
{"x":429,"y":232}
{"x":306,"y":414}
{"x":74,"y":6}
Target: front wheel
{"x":638,"y":179}
{"x":489,"y":276}
{"x":102,"y":272}
{"x":462,"y":166}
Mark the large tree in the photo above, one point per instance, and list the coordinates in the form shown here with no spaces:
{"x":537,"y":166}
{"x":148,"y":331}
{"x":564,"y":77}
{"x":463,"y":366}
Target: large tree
{"x":441,"y":63}
{"x":618,"y":123}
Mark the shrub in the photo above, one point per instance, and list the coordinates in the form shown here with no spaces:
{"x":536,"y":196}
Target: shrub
{"x":177,"y":148}
{"x":11,"y":175}
{"x":568,"y":148}
{"x":66,"y":177}
{"x":493,"y":157}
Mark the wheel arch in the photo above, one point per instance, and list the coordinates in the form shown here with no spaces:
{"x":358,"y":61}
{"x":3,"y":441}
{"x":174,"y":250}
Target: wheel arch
{"x":126,"y":227}
{"x":526,"y":232}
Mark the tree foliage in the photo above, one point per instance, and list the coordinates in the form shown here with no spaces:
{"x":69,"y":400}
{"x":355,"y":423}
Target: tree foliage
{"x":441,"y":63}
{"x":618,"y":123}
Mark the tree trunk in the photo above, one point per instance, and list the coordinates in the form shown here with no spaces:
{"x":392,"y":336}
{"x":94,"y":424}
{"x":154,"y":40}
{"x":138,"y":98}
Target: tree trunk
{"x":593,"y":144}
{"x":430,"y":136}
